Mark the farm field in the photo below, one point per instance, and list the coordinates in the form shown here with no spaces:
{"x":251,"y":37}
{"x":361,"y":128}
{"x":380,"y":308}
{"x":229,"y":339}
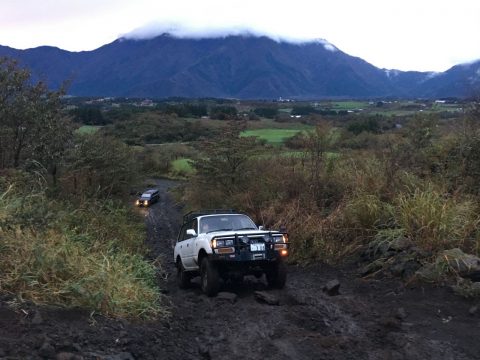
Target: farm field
{"x":272,"y":136}
{"x":182,"y":166}
{"x":88,"y":129}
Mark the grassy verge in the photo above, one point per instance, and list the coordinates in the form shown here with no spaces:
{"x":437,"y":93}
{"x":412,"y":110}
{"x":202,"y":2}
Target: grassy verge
{"x":89,"y":255}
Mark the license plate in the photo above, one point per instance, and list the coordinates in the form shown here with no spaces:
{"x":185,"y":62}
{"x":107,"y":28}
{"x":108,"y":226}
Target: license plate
{"x":257,"y":247}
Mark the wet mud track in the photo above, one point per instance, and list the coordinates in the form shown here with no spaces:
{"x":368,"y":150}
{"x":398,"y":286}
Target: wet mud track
{"x":369,"y":319}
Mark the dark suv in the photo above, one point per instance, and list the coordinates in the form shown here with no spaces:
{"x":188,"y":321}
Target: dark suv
{"x":148,"y":198}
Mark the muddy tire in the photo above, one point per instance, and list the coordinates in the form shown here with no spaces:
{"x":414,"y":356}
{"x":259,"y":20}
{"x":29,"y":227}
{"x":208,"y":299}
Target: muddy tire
{"x":183,"y":277}
{"x":210,"y":279}
{"x":277,"y":275}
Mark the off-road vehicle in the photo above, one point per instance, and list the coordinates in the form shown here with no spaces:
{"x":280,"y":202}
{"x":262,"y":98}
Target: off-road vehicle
{"x":224,"y":244}
{"x":148,"y":197}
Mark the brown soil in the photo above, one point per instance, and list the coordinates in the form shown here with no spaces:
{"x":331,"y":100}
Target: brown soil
{"x":370,"y":319}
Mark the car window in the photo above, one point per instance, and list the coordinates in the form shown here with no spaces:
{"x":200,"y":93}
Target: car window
{"x":181,"y":235}
{"x":225,"y":223}
{"x":146,"y":195}
{"x":189,"y":225}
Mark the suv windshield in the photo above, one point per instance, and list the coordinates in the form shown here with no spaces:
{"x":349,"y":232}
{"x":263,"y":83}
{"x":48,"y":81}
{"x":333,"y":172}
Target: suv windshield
{"x":146,"y":196}
{"x":226,"y":223}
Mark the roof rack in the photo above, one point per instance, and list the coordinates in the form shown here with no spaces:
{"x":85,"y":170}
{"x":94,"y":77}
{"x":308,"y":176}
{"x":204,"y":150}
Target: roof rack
{"x":193,"y":214}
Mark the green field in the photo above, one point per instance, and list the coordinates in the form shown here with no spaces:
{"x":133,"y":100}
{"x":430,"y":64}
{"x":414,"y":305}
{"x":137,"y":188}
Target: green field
{"x":182,"y":165}
{"x":272,"y":136}
{"x":88,"y":129}
{"x":349,"y":105}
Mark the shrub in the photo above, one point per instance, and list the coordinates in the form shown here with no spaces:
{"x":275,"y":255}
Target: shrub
{"x":436,"y":221}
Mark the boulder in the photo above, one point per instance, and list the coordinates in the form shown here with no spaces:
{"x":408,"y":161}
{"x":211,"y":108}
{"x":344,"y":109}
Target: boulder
{"x":37,"y":318}
{"x":332,"y":287}
{"x":465,"y":265}
{"x":265,"y":297}
{"x":372,"y":267}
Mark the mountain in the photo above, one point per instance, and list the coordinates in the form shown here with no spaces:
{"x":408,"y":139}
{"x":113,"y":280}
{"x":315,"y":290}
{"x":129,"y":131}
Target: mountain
{"x":232,"y":67}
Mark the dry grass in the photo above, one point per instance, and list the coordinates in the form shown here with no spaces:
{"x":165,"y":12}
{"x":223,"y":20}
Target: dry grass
{"x":90,"y":257}
{"x":436,"y":221}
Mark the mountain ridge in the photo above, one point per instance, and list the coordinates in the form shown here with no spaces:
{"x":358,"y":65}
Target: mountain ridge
{"x":234,"y":66}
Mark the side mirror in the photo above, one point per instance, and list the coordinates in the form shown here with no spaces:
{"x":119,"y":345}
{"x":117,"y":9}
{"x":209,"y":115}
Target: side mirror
{"x":261,"y":227}
{"x":191,"y":232}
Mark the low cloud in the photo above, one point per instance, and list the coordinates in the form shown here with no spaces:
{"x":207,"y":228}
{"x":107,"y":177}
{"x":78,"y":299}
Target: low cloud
{"x":182,"y":31}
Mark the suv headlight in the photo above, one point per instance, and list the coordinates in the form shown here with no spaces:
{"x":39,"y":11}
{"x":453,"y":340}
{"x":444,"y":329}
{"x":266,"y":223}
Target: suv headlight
{"x":281,"y":239}
{"x":217,"y":243}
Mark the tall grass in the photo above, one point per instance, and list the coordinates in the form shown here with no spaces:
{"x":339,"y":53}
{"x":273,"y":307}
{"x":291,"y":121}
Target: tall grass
{"x":89,"y":256}
{"x":50,"y":268}
{"x":436,"y":221}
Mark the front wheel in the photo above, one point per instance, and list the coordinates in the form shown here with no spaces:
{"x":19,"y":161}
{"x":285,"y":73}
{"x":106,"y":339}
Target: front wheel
{"x":277,"y":275}
{"x":183,"y":277}
{"x":210,"y":277}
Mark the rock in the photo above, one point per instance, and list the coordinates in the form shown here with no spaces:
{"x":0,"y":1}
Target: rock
{"x":474,"y":276}
{"x":68,"y":356}
{"x":465,"y":265}
{"x":47,"y":351}
{"x":372,"y":267}
{"x":473,"y":310}
{"x":265,"y":297}
{"x":401,"y":314}
{"x":37,"y":318}
{"x":429,"y":273}
{"x":332,"y":287}
{"x":227,"y":296}
{"x":405,"y":267}
{"x":204,"y":351}
{"x":119,"y":356}
{"x":400,"y":244}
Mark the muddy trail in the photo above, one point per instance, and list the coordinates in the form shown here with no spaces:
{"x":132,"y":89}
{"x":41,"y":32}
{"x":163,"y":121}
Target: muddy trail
{"x":368,"y":319}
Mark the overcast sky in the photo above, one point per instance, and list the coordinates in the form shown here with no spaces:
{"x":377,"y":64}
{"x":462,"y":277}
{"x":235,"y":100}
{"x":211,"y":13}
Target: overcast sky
{"x":421,"y":35}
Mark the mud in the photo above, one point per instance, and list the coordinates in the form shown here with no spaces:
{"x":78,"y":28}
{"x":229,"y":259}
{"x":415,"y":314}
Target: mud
{"x":369,"y":319}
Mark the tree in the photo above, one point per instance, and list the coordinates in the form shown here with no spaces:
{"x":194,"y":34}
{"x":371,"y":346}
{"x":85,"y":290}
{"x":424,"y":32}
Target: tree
{"x":224,"y":167}
{"x":53,"y":136}
{"x":101,"y":165}
{"x":31,"y":123}
{"x":316,"y":144}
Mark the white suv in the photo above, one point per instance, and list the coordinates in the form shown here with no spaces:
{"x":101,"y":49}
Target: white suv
{"x":225,"y":244}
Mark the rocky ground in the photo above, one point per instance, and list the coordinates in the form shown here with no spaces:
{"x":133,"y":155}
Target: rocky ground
{"x":366,"y":319}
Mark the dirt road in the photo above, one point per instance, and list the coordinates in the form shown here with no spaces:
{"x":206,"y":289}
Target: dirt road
{"x":367,"y":320}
